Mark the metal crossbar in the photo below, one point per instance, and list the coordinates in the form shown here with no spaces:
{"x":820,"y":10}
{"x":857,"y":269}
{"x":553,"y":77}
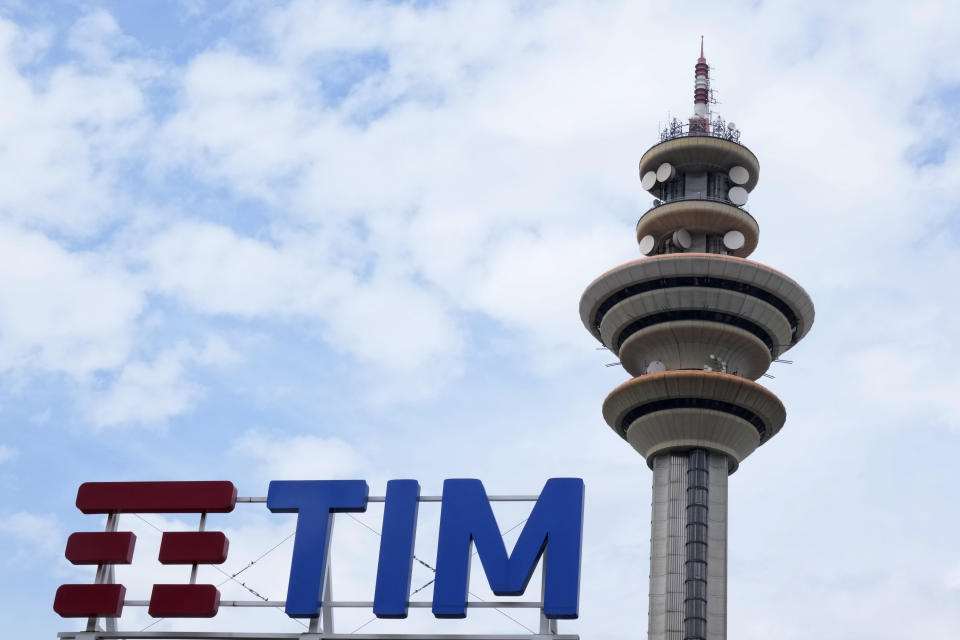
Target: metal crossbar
{"x":521,"y":498}
{"x":234,"y":635}
{"x":361,"y":604}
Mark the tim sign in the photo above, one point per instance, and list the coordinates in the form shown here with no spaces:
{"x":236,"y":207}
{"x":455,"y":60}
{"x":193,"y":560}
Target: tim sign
{"x":553,"y":530}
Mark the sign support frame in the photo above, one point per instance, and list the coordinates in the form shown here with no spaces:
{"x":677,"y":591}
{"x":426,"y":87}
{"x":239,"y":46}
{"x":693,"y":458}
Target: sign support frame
{"x":321,"y":627}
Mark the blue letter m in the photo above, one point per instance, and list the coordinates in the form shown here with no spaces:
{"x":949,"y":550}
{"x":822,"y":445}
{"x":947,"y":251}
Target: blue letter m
{"x":555,"y":525}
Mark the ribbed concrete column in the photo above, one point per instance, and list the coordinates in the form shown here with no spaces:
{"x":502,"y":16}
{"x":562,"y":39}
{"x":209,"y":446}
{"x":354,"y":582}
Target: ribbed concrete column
{"x":717,"y":549}
{"x":668,"y":547}
{"x":695,"y":568}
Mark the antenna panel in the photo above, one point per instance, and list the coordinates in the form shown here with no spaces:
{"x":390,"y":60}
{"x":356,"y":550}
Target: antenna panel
{"x":738,"y":196}
{"x":739,"y":175}
{"x":647,"y":243}
{"x":665,"y":172}
{"x":733,"y":240}
{"x":648,"y":180}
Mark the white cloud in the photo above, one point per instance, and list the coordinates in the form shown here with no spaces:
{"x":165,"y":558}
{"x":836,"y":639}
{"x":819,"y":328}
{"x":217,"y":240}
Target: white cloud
{"x":952,"y":578}
{"x":62,"y":311}
{"x":40,"y":533}
{"x":222,"y":90}
{"x":7,"y":453}
{"x":96,"y":38}
{"x":67,"y":137}
{"x":146,"y":392}
{"x":151,"y":392}
{"x":300,"y":457}
{"x":396,"y":324}
{"x":216,"y":271}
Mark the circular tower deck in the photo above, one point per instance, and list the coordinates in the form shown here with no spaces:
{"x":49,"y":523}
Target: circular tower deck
{"x":702,"y":152}
{"x":696,"y":311}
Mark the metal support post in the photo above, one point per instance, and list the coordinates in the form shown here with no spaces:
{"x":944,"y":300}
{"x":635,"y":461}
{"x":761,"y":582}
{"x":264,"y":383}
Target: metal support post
{"x":548,"y":627}
{"x":203,"y":526}
{"x":327,"y":608}
{"x":104,"y":576}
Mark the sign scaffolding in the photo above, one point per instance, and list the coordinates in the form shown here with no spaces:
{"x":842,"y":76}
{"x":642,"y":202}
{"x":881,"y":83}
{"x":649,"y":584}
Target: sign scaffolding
{"x":102,"y":602}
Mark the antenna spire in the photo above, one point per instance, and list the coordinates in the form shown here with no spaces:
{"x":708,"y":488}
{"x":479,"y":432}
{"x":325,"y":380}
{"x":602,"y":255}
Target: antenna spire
{"x":700,"y":122}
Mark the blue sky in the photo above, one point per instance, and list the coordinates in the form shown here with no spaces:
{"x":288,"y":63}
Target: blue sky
{"x":252,"y":241}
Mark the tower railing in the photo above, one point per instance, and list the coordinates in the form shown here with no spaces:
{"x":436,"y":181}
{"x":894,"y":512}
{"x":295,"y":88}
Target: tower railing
{"x":657,"y":202}
{"x":716,"y":129}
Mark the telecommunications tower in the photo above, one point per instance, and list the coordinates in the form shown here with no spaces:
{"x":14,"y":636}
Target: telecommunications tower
{"x":695,"y":323}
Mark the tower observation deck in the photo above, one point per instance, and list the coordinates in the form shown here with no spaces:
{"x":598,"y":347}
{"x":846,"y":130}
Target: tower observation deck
{"x":695,"y":323}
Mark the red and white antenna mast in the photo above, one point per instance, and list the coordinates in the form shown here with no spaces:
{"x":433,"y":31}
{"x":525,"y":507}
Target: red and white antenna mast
{"x":700,"y":122}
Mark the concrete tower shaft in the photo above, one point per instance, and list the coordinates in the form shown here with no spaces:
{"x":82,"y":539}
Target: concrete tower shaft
{"x":695,"y":323}
{"x":688,"y":547}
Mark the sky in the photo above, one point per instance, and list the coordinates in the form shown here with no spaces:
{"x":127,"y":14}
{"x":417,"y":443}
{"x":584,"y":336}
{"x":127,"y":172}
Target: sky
{"x":327,"y":239}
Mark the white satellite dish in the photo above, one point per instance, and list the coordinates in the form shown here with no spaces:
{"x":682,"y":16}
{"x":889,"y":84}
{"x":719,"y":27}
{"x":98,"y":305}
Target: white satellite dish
{"x":648,"y":180}
{"x":656,"y":366}
{"x":681,"y":238}
{"x":738,"y":196}
{"x":733,"y":240}
{"x":664,"y":172}
{"x":646,"y":244}
{"x":739,"y":175}
{"x":732,"y":126}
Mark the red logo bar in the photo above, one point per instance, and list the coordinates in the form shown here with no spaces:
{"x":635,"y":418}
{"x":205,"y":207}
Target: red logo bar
{"x":193,"y":547}
{"x":89,"y":600}
{"x":101,"y":547}
{"x":157,"y":497}
{"x":184,"y":601}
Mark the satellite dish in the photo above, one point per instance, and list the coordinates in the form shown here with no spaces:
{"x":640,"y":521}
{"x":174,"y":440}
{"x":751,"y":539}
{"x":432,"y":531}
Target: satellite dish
{"x":733,"y":240}
{"x":656,"y":366}
{"x":681,"y":238}
{"x":648,"y":180}
{"x":739,"y":175}
{"x":646,"y":244}
{"x":730,"y":125}
{"x":665,"y":172}
{"x":738,"y":196}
